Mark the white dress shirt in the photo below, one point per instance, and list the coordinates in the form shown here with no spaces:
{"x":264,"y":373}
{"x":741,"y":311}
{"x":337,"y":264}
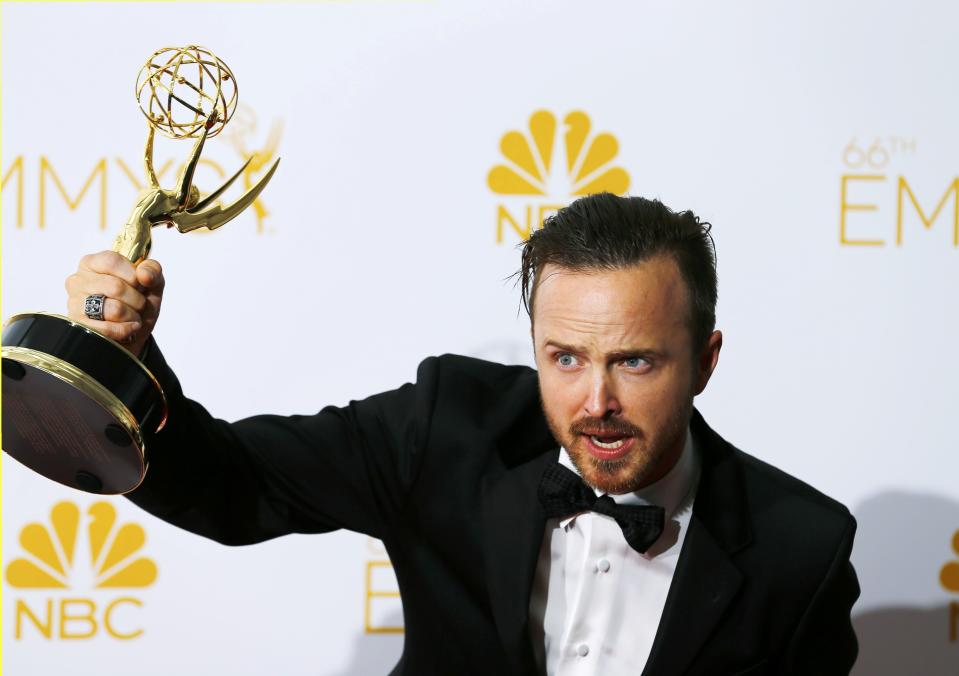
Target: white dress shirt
{"x":596,"y":602}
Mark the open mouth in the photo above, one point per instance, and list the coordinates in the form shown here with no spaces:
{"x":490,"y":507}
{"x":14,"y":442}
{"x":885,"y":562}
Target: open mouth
{"x":608,"y":447}
{"x":610,"y":443}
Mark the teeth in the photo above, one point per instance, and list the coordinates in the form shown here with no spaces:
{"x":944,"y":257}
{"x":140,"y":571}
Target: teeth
{"x":602,"y":444}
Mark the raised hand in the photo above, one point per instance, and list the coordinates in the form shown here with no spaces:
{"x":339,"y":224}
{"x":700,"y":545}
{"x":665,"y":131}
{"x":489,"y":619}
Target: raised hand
{"x":132,"y":297}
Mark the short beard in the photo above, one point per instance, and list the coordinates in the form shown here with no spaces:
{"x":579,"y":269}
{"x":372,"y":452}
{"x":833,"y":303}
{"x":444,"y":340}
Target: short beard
{"x":609,"y":470}
{"x":610,"y":467}
{"x":607,"y":475}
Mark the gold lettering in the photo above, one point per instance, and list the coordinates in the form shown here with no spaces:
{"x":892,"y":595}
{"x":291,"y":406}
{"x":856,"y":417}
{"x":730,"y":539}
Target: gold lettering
{"x":371,"y":594}
{"x":108,"y":624}
{"x":47,"y":168}
{"x":853,"y":155}
{"x":503,"y":215}
{"x":545,"y":211}
{"x":16,"y":168}
{"x":134,"y":179}
{"x":845,"y":207}
{"x":903,"y":145}
{"x":46,"y":628}
{"x":927,"y":222}
{"x":877,"y":156}
{"x":66,"y":616}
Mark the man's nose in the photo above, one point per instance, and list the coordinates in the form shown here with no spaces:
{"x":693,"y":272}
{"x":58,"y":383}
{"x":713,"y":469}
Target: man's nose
{"x":601,"y":401}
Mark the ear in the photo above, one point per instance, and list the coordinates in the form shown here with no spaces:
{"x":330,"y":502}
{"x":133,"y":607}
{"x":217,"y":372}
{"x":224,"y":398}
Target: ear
{"x":707,"y":361}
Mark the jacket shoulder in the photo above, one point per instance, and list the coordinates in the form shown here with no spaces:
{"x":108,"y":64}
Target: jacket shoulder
{"x":486,"y":402}
{"x":767,"y":482}
{"x":480,"y":370}
{"x":478,"y":384}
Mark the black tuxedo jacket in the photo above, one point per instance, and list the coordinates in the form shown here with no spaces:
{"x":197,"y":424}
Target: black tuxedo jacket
{"x":445,"y":473}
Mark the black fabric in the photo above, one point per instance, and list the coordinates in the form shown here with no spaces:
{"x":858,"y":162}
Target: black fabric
{"x":563,"y":493}
{"x":445,"y":472}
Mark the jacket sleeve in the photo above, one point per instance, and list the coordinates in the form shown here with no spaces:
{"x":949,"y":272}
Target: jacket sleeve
{"x":268,"y":475}
{"x":824,"y":642}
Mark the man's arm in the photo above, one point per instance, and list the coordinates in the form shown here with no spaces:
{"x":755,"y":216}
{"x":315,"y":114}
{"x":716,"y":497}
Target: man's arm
{"x":268,"y":475}
{"x":258,"y":478}
{"x":824,"y":642}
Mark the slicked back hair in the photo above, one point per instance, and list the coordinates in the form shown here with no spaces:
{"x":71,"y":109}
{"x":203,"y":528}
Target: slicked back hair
{"x":608,"y":232}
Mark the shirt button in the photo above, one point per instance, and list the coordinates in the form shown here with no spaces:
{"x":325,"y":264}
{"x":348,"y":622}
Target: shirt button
{"x":582,"y":650}
{"x":602,"y":565}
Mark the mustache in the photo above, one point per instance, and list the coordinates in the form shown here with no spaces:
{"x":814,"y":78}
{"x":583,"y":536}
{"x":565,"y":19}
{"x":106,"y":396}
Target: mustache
{"x":600,"y":427}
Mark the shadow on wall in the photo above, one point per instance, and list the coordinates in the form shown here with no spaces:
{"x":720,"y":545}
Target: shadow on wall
{"x":903,"y":541}
{"x":375,"y":654}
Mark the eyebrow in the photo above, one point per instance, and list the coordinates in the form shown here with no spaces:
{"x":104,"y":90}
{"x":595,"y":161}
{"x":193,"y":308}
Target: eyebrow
{"x":628,"y":353}
{"x":562,"y":346}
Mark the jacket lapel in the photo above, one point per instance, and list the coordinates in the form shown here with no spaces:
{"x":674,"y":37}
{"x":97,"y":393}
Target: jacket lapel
{"x":706,"y":580}
{"x":513,"y":524}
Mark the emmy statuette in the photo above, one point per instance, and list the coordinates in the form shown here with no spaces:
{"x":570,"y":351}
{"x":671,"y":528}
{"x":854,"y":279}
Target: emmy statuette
{"x":76,"y":404}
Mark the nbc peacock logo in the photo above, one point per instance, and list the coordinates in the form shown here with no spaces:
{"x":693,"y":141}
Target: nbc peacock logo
{"x":58,"y":559}
{"x":538,"y":181}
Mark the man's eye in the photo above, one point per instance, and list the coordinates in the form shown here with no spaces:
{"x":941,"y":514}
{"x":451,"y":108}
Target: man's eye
{"x":634,"y":362}
{"x":566,"y":360}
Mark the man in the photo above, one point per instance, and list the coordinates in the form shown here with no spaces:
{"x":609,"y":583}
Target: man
{"x":678,"y":555}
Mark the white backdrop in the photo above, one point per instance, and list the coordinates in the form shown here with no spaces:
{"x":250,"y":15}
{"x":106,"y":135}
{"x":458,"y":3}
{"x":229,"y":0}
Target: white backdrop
{"x":379,"y":246}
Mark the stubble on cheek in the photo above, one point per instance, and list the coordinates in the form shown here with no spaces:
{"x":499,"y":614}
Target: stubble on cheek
{"x":621,"y":475}
{"x":629,"y":473}
{"x":653,"y":445}
{"x":611,"y":476}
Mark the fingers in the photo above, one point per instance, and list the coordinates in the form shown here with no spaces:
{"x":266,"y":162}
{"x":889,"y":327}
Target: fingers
{"x":149,"y":275}
{"x":122,"y":332}
{"x":120,"y":321}
{"x":109,"y":263}
{"x":113,"y":310}
{"x":85,"y":283}
{"x":132,"y":296}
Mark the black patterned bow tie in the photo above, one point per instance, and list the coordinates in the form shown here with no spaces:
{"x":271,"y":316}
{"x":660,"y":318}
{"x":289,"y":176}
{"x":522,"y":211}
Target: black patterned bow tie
{"x":562,"y":493}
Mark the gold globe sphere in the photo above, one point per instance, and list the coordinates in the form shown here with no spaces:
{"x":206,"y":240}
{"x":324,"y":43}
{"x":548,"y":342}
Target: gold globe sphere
{"x":179,"y":88}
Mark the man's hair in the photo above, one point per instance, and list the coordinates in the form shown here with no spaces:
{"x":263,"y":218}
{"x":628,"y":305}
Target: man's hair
{"x":607,"y":232}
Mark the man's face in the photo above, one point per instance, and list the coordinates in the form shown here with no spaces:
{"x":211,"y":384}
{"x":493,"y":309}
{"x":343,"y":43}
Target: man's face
{"x":617,"y":372}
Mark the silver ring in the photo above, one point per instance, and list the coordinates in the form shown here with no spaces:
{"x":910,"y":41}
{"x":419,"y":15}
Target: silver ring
{"x":93,"y":306}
